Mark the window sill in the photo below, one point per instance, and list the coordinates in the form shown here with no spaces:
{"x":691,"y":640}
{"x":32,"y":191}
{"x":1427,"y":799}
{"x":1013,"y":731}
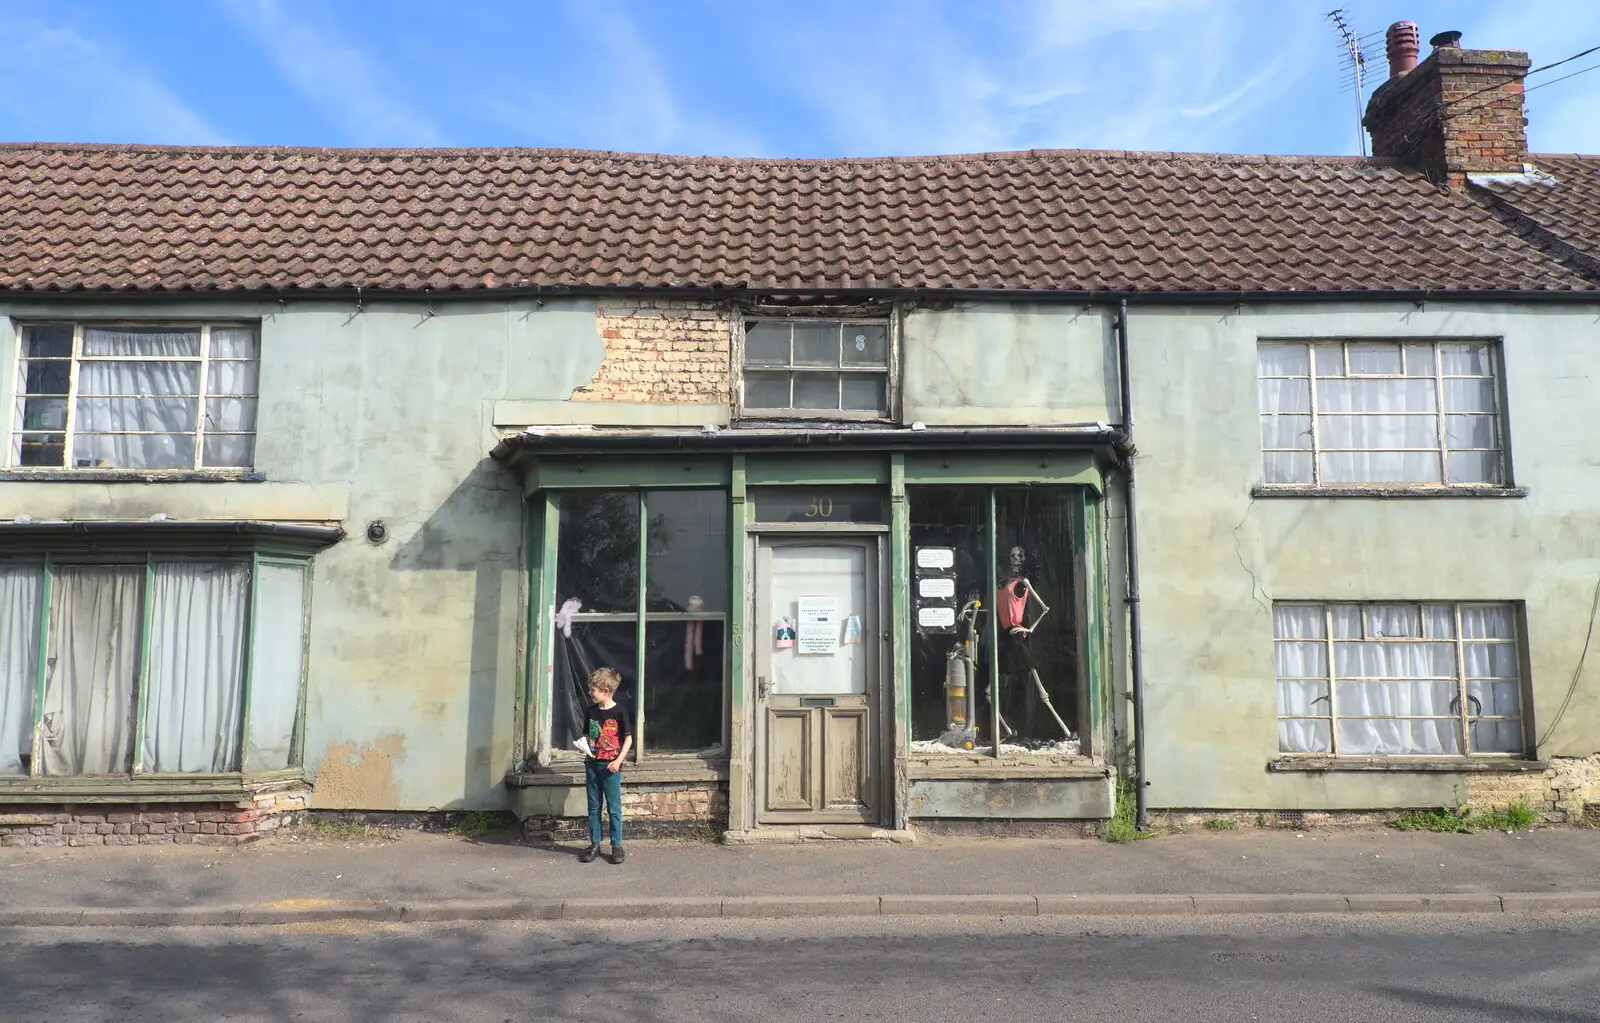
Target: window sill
{"x":940,"y":769}
{"x":132,"y":476}
{"x":1386,"y":493}
{"x":569,"y":771}
{"x":147,"y":788}
{"x":1412,"y":765}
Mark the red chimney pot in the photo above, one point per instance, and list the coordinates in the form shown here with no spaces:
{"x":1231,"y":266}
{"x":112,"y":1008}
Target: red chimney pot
{"x":1404,"y":43}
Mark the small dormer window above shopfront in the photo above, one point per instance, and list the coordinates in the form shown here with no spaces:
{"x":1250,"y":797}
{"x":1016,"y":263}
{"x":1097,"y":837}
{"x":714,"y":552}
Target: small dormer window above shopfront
{"x":817,"y":368}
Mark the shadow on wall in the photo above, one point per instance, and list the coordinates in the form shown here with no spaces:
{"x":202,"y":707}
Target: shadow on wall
{"x":477,"y":529}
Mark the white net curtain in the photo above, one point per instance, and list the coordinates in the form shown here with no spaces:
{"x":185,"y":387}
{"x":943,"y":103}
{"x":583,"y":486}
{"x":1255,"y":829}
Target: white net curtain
{"x":1397,"y":677}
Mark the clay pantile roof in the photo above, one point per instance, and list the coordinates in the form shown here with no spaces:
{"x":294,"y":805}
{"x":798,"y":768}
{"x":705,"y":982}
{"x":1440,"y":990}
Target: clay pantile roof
{"x":142,"y":218}
{"x":1563,"y":199}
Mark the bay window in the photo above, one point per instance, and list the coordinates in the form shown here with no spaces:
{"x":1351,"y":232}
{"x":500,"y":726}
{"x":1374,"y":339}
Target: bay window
{"x":161,"y":664}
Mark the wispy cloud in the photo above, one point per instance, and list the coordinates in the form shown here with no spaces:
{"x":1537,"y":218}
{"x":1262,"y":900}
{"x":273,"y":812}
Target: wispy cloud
{"x":344,"y":81}
{"x":61,"y":85}
{"x":1138,"y":74}
{"x":621,"y":96}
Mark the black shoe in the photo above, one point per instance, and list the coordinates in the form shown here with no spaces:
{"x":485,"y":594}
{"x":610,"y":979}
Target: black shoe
{"x":588,"y":855}
{"x":617,"y":854}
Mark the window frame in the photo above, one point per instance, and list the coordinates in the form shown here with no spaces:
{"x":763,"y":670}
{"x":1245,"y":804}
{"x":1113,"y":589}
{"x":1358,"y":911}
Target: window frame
{"x":77,"y":359}
{"x":1464,"y":718}
{"x":642,"y":618}
{"x":138,"y":709}
{"x":891,"y":318}
{"x":1441,"y":415}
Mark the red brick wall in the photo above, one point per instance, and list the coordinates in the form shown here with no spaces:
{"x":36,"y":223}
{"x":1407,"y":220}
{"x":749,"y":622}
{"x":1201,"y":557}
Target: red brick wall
{"x":1458,"y":112}
{"x":231,"y":823}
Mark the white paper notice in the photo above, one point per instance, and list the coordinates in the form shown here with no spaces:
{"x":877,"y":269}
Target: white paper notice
{"x":817,"y":626}
{"x":936,"y":617}
{"x":935,"y":557}
{"x":936,"y":589}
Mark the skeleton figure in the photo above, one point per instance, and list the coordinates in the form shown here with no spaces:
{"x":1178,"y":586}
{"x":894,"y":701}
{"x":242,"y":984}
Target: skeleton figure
{"x":1012,"y":603}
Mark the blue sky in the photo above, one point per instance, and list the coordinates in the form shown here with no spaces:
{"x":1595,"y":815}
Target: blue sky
{"x":745,"y":77}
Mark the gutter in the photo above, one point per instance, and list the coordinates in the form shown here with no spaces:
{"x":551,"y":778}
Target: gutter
{"x":799,"y":438}
{"x":745,"y":293}
{"x":1127,"y":454}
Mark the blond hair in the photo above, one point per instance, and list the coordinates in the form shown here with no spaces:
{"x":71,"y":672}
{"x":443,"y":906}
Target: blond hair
{"x":606,"y":680}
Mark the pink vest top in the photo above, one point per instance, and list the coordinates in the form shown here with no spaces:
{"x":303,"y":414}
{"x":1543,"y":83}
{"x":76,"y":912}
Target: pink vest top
{"x":1011,"y":605}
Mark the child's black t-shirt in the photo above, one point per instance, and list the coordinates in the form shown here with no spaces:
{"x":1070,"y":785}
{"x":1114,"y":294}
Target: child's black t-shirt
{"x":606,"y":730}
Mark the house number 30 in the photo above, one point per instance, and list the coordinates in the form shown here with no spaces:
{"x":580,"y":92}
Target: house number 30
{"x":821,"y":508}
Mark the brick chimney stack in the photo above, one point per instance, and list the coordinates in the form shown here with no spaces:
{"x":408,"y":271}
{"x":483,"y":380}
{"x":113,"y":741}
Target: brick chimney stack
{"x":1458,"y":112}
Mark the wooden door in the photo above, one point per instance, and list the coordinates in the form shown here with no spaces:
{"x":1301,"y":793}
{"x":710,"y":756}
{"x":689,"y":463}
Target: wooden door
{"x":817,"y":664}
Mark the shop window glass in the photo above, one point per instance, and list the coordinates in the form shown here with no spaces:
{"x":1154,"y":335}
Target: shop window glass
{"x":956,"y":667}
{"x":1035,"y":560}
{"x":673,"y":685}
{"x":949,"y":557}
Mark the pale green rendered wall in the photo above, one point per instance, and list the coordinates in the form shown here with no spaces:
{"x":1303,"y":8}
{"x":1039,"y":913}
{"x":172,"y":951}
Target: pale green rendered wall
{"x":383,"y":413}
{"x":994,"y":364}
{"x":1213,"y":559}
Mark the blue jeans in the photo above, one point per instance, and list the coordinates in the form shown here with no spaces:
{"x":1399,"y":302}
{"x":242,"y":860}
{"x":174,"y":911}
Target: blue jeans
{"x":603,"y":782}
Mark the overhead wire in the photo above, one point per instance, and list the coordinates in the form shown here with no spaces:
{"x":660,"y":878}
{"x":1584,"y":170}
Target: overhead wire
{"x":1566,"y":60}
{"x":1563,"y":78}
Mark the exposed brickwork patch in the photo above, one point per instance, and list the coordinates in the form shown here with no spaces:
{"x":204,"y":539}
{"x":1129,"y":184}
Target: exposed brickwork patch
{"x":229,"y":823}
{"x":661,"y":351}
{"x":649,"y":810}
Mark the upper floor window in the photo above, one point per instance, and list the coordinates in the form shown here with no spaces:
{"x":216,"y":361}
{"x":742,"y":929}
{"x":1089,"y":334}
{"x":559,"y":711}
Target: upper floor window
{"x":817,"y":368}
{"x":1387,"y":413}
{"x":135,"y":396}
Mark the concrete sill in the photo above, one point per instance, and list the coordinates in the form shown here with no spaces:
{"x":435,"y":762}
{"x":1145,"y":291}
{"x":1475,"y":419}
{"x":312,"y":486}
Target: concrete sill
{"x":570,"y":772}
{"x":1002,"y":770}
{"x":1387,"y":493}
{"x":1406,"y":765}
{"x":147,"y":788}
{"x":132,"y":476}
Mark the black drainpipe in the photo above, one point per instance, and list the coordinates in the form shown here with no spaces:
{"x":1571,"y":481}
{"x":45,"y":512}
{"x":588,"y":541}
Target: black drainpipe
{"x":1135,"y":644}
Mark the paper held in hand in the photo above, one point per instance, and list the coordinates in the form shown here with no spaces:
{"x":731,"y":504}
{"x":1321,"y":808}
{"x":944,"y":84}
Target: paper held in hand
{"x":582,"y":745}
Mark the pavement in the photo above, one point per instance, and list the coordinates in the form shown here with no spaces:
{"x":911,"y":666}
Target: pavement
{"x":404,"y":876}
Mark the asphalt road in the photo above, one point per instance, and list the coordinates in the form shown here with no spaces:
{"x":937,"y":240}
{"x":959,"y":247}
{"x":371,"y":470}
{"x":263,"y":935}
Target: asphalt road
{"x":1457,"y":968}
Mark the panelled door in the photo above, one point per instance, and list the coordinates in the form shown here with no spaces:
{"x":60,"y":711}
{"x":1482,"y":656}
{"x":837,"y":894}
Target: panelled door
{"x":818,"y":657}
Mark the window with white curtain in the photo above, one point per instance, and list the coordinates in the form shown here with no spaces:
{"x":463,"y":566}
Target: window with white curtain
{"x":1398,"y":679}
{"x":160,"y":665}
{"x":135,"y":396}
{"x":1381,"y":413}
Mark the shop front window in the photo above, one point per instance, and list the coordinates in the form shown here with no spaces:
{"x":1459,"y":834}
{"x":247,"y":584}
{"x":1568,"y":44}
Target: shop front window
{"x":642,"y":587}
{"x":978,"y":553}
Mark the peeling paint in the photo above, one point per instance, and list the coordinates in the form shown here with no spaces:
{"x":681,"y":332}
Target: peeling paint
{"x":360,"y":777}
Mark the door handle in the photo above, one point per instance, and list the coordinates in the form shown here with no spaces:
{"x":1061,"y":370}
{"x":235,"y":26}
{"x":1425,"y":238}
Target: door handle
{"x":763,"y":687}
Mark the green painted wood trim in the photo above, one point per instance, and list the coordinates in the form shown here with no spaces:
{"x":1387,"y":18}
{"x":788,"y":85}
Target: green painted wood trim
{"x":993,"y":660}
{"x":738,"y":536}
{"x":640,"y":626}
{"x":816,"y":470}
{"x":545,"y":590}
{"x":1086,"y":536}
{"x":245,"y":689}
{"x":900,"y":597}
{"x":297,"y":744}
{"x":741,"y":753}
{"x":1004,"y":467}
{"x":657,"y":473}
{"x":37,"y":746}
{"x":142,"y":681}
{"x":532,"y":548}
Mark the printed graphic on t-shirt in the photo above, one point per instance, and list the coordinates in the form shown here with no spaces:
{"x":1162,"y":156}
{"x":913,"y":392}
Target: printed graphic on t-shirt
{"x":603,"y":739}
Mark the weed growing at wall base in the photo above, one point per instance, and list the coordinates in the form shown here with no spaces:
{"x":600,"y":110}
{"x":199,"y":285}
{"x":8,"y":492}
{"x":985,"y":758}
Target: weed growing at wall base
{"x":1220,"y":825}
{"x":1518,"y":816}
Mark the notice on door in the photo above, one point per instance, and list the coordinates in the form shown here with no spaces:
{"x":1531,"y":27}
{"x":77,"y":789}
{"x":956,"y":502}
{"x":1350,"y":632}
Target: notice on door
{"x":817,"y":626}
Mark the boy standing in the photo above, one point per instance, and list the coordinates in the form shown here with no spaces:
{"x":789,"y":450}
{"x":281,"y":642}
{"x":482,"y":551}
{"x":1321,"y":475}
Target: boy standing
{"x":610,"y":735}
